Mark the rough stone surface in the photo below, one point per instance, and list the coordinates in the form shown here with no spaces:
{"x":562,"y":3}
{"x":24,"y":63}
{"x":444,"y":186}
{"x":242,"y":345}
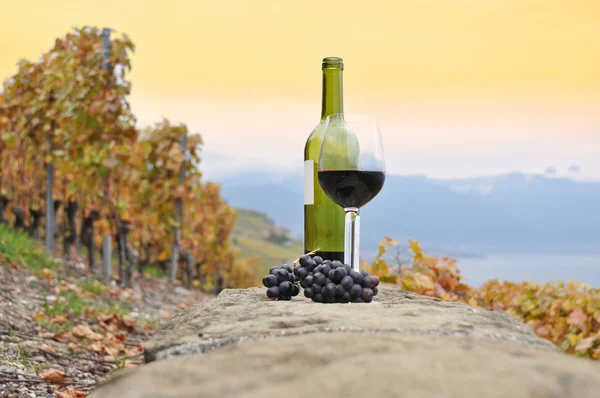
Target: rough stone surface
{"x":247,"y":314}
{"x":240,"y":345}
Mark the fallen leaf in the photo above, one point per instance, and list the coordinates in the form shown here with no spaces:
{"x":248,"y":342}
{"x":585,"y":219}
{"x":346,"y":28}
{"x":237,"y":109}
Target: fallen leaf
{"x":70,"y":392}
{"x":46,"y":335}
{"x":60,"y":319}
{"x":134,"y":351}
{"x":65,"y":335}
{"x":543,"y":331}
{"x":84,"y":331}
{"x":578,"y":318}
{"x":120,"y":336}
{"x":108,"y":326}
{"x":73,"y":346}
{"x":111,"y":351}
{"x":164,"y":314}
{"x":105,"y":317}
{"x":96,"y":347}
{"x":128,"y":322}
{"x":39,"y":316}
{"x":584,"y":344}
{"x":47,"y":274}
{"x":49,"y":348}
{"x":53,"y":375}
{"x":14,"y":265}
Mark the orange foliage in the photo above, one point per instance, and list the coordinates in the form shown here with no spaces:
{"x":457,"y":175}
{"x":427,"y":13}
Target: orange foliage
{"x":568,"y":314}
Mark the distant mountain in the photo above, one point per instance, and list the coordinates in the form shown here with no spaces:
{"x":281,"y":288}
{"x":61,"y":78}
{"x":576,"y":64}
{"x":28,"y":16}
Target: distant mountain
{"x":513,"y":213}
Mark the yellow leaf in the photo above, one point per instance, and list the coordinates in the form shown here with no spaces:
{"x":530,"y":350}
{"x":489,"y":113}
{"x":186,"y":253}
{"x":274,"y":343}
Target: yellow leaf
{"x":416,"y":249}
{"x":573,"y":339}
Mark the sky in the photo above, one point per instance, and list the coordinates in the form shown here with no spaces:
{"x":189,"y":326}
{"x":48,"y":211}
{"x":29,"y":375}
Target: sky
{"x":461,"y":87}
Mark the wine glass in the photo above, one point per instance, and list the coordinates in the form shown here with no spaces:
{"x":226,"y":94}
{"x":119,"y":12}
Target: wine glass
{"x":351,"y":170}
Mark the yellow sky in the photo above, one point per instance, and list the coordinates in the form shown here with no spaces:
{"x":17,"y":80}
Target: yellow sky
{"x":479,"y":75}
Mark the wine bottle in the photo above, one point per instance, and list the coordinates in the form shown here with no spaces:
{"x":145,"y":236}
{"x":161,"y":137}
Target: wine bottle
{"x":323,"y":219}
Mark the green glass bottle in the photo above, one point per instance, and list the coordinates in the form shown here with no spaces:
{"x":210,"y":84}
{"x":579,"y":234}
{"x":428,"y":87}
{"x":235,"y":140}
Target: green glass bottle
{"x":323,"y":219}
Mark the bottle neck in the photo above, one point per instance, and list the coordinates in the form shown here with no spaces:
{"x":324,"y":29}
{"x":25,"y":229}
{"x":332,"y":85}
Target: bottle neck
{"x":333,"y":95}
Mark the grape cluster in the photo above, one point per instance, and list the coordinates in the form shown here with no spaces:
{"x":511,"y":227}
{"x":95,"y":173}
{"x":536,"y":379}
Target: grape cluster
{"x":281,"y":283}
{"x":326,"y":281}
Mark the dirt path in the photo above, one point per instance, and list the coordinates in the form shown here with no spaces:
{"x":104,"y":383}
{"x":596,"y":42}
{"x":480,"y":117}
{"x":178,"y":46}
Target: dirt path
{"x":63,"y":332}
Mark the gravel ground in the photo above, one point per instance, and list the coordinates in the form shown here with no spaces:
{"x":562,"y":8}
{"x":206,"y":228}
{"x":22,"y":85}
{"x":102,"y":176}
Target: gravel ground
{"x":75,"y":347}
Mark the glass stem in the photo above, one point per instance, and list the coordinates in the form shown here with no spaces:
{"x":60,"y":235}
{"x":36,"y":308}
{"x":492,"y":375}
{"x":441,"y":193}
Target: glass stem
{"x":352,"y":238}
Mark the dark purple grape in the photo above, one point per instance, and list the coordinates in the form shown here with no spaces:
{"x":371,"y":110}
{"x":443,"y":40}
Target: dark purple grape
{"x":327,"y":262}
{"x":285,"y":298}
{"x":347,"y":282}
{"x":339,"y":290}
{"x":270,"y":280}
{"x":345,"y":298}
{"x":367,"y":294}
{"x":331,"y":274}
{"x":308,"y":292}
{"x":330,"y":300}
{"x":319,"y":278}
{"x":325,"y":268}
{"x":368,"y":282}
{"x":287,"y":267}
{"x":302,"y":272}
{"x":273,"y":292}
{"x":303,"y":284}
{"x":348,"y":268}
{"x":295,"y":290}
{"x":296,"y":270}
{"x":303,"y":259}
{"x":318,"y":260}
{"x":364,"y":273}
{"x":357,"y":277}
{"x":296,"y":279}
{"x":272,"y":270}
{"x":316,"y":288}
{"x":336,"y":264}
{"x":281,"y":275}
{"x":285,"y":288}
{"x":375,"y":281}
{"x":375,"y":291}
{"x":355,"y":291}
{"x":318,"y":298}
{"x":358,"y":300}
{"x":339,"y":274}
{"x":330,"y":290}
{"x":310,"y":265}
{"x":308,"y":282}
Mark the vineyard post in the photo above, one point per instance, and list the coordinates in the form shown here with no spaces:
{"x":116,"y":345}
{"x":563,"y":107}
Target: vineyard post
{"x":49,"y":206}
{"x":106,"y":239}
{"x":178,"y":213}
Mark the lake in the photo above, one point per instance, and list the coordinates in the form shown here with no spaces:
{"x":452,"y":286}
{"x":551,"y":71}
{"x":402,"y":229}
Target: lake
{"x":538,"y":268}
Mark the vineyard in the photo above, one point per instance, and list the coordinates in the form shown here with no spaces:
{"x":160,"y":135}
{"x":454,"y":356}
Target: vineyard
{"x":77,"y":172}
{"x":567,"y":314}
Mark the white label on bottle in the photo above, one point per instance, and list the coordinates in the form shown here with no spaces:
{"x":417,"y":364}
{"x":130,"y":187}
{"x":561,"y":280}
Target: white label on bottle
{"x":309,"y":182}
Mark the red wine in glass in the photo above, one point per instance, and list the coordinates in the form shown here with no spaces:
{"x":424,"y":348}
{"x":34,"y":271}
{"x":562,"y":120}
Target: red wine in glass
{"x":351,"y":188}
